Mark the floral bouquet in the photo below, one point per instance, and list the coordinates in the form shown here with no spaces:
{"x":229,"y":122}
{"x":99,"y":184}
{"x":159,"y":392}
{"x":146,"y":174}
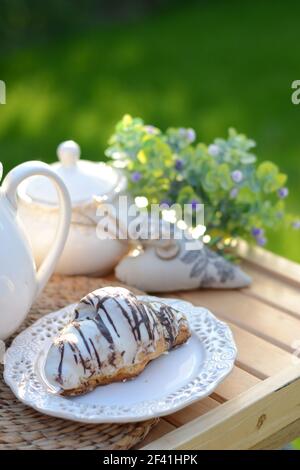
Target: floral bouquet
{"x":242,"y":198}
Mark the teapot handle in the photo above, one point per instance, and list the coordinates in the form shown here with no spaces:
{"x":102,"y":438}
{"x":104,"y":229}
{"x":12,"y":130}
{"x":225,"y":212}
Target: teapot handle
{"x":10,"y":185}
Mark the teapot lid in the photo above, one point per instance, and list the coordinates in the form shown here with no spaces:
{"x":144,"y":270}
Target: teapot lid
{"x":84,"y":179}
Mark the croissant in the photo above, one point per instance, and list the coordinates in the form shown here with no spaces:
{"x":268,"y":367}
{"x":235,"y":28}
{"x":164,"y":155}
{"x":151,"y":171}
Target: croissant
{"x":112,"y":337}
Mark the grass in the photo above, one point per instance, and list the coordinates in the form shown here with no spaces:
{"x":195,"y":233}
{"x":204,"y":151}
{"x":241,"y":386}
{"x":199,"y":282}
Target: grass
{"x":209,"y":65}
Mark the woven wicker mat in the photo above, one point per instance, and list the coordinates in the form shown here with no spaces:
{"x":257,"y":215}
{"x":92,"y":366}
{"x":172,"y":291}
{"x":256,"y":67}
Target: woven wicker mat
{"x":24,"y":428}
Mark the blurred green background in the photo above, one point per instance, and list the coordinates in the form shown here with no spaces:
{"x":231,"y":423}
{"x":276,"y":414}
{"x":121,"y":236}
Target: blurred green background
{"x":72,"y":69}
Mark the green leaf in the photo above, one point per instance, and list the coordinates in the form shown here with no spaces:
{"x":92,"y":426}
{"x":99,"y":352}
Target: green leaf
{"x":281,"y":179}
{"x":248,"y":158}
{"x":224,"y":177}
{"x":274,"y":183}
{"x":265,"y":169}
{"x":210,"y":182}
{"x":186,"y":195}
{"x":157,"y":173}
{"x":246,"y":196}
{"x":127,"y":120}
{"x":232,"y":132}
{"x":269,"y":177}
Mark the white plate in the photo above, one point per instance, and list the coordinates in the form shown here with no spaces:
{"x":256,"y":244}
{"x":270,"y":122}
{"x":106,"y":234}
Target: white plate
{"x":169,"y":383}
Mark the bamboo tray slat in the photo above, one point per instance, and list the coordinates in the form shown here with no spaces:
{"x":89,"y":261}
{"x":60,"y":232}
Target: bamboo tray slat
{"x":273,"y":291}
{"x":253,"y":316}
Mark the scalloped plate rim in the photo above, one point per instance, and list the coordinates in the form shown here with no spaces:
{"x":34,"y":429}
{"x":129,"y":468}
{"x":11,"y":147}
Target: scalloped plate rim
{"x":130,"y":417}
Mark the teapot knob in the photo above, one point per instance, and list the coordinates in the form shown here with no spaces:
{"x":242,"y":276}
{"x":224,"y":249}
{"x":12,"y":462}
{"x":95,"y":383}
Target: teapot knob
{"x":68,"y":153}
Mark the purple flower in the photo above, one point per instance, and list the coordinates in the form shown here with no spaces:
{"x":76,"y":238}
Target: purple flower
{"x":165,"y":202}
{"x":282,"y":193}
{"x":179,"y":164}
{"x":257,"y":232}
{"x":191,"y":135}
{"x":150,"y":129}
{"x":188,"y":134}
{"x":259,"y":235}
{"x":234,"y":192}
{"x":296,"y":224}
{"x":194,"y":203}
{"x":213,"y":150}
{"x":136,"y":176}
{"x":237,"y":176}
{"x":261,"y":241}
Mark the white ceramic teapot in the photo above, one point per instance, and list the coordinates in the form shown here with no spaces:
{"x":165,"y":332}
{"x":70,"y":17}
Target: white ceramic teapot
{"x":20,"y":284}
{"x":90,"y":185}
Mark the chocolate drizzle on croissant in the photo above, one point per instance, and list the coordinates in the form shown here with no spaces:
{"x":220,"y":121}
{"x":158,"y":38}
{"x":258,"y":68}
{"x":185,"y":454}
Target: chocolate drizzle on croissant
{"x":112,"y":337}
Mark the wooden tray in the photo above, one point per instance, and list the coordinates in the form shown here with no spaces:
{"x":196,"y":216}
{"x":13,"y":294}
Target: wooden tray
{"x":258,"y":405}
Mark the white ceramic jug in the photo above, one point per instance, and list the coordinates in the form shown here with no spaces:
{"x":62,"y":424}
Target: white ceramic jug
{"x":90,"y":185}
{"x":20,"y":284}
